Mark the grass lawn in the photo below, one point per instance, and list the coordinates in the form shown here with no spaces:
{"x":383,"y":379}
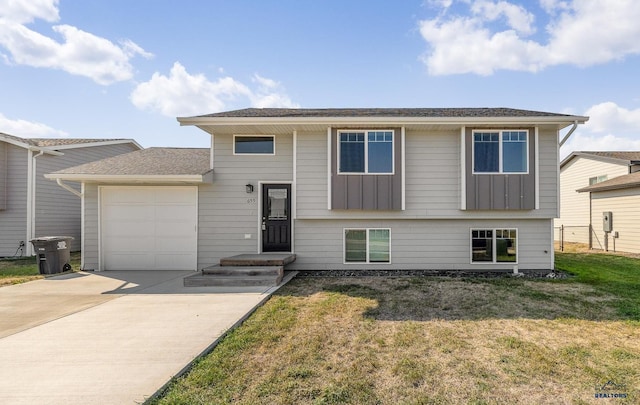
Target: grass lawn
{"x":16,"y":271}
{"x":434,"y":341}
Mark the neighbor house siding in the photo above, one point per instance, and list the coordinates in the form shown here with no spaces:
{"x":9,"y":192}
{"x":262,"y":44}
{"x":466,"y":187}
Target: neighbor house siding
{"x":625,"y":206}
{"x":574,"y":206}
{"x":3,"y":175}
{"x":58,"y":210}
{"x":421,"y":244}
{"x":13,"y":219}
{"x":228,"y":215}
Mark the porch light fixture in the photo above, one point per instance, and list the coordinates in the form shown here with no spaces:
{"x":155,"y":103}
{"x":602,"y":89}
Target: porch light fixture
{"x":249,"y":188}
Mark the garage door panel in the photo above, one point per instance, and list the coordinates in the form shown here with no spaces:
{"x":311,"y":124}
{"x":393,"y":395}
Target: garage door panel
{"x":149,"y":228}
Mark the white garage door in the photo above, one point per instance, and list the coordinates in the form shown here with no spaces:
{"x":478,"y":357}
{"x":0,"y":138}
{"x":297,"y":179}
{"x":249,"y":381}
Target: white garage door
{"x":149,"y":228}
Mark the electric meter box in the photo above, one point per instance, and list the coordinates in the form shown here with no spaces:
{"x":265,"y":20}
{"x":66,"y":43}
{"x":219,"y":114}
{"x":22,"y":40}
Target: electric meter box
{"x":607,"y":221}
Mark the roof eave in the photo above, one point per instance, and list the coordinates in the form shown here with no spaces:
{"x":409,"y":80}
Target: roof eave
{"x":561,"y":122}
{"x":94,"y":144}
{"x":124,"y":178}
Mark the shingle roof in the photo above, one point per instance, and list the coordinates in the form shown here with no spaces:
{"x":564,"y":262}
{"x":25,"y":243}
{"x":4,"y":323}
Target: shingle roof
{"x":382,"y":112}
{"x":52,"y":142}
{"x":148,"y":162}
{"x":625,"y":181}
{"x":620,"y":157}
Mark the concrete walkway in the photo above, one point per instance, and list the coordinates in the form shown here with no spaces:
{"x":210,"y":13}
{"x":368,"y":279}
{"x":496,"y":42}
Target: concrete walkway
{"x":109,"y":338}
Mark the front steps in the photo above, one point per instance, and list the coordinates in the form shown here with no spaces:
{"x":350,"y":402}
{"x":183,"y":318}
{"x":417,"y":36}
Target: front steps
{"x":247,"y":270}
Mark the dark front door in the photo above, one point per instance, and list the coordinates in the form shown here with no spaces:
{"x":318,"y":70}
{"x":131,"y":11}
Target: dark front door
{"x":276,"y":218}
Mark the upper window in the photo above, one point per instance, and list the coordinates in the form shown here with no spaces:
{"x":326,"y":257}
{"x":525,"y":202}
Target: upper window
{"x":597,"y":179}
{"x":365,"y":152}
{"x":254,"y":145}
{"x":500,"y":151}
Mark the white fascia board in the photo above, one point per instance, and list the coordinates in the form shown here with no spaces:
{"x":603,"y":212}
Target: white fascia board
{"x":561,"y":122}
{"x":93,"y":144}
{"x":105,"y":178}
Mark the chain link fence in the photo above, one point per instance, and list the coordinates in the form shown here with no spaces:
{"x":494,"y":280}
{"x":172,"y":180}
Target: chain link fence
{"x":576,"y":234}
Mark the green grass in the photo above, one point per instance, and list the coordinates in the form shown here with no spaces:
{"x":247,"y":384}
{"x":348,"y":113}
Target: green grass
{"x":616,"y":275}
{"x":21,"y":270}
{"x":432,"y":341}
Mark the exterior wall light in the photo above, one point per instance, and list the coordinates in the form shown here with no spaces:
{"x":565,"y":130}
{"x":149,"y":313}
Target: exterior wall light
{"x":249,"y":188}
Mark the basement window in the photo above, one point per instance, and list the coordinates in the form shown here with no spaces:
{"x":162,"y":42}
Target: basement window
{"x":367,"y":245}
{"x":494,"y":246}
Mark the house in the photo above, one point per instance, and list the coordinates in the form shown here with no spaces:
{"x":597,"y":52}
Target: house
{"x":580,"y":170}
{"x":30,"y":205}
{"x":614,"y":212}
{"x":375,"y":188}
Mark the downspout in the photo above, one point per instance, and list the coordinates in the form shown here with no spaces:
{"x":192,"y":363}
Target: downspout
{"x":566,"y":137}
{"x":69,"y":188}
{"x":31,"y":199}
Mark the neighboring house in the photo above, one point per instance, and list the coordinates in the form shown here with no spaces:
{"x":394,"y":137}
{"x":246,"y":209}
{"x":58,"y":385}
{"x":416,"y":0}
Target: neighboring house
{"x":30,"y":205}
{"x":453,"y":189}
{"x":619,"y":200}
{"x":580,"y":170}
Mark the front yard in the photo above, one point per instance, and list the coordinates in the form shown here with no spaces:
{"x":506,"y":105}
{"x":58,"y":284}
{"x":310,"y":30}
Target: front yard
{"x":21,"y":270}
{"x":429,"y":340}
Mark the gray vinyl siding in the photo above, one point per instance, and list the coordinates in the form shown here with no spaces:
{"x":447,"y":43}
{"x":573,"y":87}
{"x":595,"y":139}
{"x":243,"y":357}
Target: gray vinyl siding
{"x":432,"y":179}
{"x":421,"y":244}
{"x":227,"y":214}
{"x":13,"y":219}
{"x":90,"y":250}
{"x":3,"y":175}
{"x":58,"y":210}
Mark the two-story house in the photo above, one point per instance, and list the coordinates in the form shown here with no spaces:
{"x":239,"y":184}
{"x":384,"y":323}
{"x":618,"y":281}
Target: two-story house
{"x":378,"y":188}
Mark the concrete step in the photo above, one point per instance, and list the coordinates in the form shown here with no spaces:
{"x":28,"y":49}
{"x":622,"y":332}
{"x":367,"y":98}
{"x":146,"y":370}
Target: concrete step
{"x":243,"y":271}
{"x":264,"y":259}
{"x":215,"y":280}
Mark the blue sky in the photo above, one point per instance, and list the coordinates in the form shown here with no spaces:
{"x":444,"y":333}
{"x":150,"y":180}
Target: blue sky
{"x":127,"y":68}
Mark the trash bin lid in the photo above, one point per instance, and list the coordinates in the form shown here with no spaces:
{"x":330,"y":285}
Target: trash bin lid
{"x":51,"y":238}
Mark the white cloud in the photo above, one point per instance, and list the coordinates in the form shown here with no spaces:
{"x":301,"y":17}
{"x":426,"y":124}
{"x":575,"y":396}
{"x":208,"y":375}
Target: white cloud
{"x":25,"y":129}
{"x":79,"y":53}
{"x":22,"y":12}
{"x":610,"y":127}
{"x":473,"y":43}
{"x":182,"y":93}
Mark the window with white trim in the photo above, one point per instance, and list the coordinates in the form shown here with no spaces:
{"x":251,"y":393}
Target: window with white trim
{"x":494,"y":245}
{"x":254,"y":145}
{"x":365,"y":152}
{"x":367,"y":245}
{"x":597,"y":179}
{"x":500,"y":151}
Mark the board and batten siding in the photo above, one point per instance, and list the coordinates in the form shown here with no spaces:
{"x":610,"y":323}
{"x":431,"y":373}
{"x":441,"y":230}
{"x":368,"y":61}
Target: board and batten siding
{"x":229,"y":216}
{"x":13,"y":218}
{"x":625,"y":206}
{"x":574,"y":206}
{"x":432,"y":179}
{"x":58,"y":210}
{"x":421,"y":244}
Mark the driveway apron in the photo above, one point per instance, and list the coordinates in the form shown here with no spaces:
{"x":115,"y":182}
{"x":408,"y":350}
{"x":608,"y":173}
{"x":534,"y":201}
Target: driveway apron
{"x":109,"y":338}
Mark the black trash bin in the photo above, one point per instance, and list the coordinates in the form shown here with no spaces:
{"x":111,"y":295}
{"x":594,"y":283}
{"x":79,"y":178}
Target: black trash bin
{"x":52,"y":253}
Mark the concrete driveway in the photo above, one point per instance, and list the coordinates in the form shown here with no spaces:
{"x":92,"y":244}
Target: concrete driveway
{"x":111,"y":337}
